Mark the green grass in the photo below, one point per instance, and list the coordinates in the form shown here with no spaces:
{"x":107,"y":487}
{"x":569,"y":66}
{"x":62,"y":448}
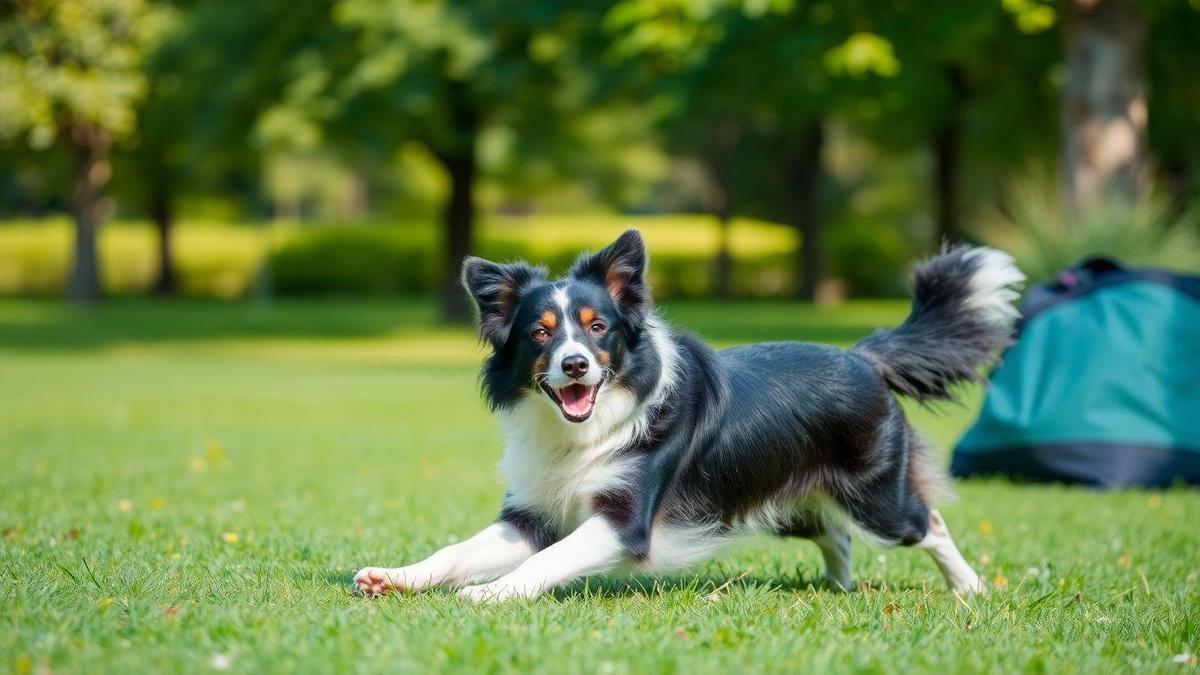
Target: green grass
{"x":188,"y":486}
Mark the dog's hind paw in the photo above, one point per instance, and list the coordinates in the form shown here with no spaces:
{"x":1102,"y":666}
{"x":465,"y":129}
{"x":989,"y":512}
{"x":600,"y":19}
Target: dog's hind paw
{"x":835,"y":584}
{"x":968,"y":586}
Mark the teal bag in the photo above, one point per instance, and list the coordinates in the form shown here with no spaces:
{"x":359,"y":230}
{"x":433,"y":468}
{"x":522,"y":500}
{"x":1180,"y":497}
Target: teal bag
{"x":1101,"y":387}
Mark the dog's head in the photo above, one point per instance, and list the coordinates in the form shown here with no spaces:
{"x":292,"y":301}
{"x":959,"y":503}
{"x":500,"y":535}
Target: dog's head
{"x":564,"y":339}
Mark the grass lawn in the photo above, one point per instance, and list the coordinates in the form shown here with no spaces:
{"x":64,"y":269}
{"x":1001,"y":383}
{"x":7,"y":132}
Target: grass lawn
{"x":191,"y":486}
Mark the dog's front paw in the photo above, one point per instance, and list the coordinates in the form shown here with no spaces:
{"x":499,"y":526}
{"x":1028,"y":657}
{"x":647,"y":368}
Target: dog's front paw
{"x":374,"y":581}
{"x":495,"y":592}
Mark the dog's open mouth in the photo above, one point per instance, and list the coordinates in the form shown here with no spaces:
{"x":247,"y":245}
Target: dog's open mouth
{"x":574,"y":400}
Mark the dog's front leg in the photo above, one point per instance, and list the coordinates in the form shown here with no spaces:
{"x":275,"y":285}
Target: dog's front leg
{"x":592,"y":548}
{"x":497,"y":549}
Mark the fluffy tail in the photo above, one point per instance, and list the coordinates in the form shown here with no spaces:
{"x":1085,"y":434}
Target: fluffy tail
{"x":962,"y":316}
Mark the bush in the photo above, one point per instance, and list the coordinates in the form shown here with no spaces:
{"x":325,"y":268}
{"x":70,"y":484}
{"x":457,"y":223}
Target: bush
{"x":211,"y":260}
{"x":388,"y":260}
{"x":352,"y":261}
{"x":1037,"y":229}
{"x":223,"y":261}
{"x":873,"y":261}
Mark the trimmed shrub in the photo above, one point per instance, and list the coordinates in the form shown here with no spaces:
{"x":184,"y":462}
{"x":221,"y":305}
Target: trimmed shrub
{"x":872,"y":260}
{"x":223,"y":261}
{"x":352,"y":261}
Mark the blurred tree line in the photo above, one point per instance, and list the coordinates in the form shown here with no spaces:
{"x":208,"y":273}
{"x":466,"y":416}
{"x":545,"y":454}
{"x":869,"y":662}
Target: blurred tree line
{"x":725,"y":106}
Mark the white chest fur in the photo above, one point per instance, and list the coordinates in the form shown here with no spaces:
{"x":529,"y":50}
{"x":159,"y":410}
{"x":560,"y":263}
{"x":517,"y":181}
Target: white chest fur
{"x":556,"y":467}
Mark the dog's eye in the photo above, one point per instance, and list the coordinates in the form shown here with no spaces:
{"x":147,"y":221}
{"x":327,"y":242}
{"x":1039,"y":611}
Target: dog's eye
{"x":540,"y":334}
{"x":597,"y":328}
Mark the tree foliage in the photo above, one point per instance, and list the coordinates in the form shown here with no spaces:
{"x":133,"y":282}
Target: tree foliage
{"x":625,"y":101}
{"x":71,"y":73}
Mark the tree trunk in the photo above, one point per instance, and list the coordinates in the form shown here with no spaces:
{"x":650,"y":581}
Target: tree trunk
{"x":1104,"y":102}
{"x":163,"y":216}
{"x":723,"y":264}
{"x":92,"y":172}
{"x":459,"y":220}
{"x":948,"y":159}
{"x":721,"y":203}
{"x":1177,"y":175}
{"x":804,"y":175}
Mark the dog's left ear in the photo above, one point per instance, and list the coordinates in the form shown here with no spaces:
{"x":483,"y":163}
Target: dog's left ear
{"x":621,"y":268}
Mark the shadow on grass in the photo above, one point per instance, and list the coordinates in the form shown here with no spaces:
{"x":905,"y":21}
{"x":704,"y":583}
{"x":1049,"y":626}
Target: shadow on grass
{"x":55,"y":325}
{"x":60,"y":326}
{"x":646,"y":586}
{"x":706,"y":584}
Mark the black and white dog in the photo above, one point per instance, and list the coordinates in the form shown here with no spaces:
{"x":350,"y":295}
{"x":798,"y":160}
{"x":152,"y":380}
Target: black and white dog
{"x":631,"y":445}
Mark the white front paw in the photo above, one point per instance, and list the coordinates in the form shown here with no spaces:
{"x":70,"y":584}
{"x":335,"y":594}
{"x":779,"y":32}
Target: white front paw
{"x":496,"y":592}
{"x":372,"y":581}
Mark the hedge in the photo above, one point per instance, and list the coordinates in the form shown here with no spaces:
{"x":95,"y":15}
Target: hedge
{"x":221,"y":260}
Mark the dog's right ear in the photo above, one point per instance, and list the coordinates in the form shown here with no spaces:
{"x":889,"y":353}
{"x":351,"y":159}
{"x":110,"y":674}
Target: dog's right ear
{"x":496,"y":288}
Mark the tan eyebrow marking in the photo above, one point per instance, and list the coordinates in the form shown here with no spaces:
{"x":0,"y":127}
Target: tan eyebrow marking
{"x":586,"y":314}
{"x":550,"y":319}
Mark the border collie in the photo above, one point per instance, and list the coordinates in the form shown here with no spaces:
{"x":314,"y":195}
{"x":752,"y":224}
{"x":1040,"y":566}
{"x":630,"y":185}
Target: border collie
{"x":630,"y":445}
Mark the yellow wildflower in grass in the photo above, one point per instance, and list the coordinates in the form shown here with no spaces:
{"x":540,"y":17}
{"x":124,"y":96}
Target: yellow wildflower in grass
{"x":215,"y":453}
{"x":1000,"y":581}
{"x":157,"y":503}
{"x":230,"y":537}
{"x":124,"y":505}
{"x":985,"y":527}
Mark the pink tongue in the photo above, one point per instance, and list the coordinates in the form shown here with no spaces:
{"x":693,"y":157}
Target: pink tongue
{"x":576,"y":399}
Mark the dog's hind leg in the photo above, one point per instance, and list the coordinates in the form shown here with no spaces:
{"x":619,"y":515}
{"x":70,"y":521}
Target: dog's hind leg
{"x":834,"y":543}
{"x":889,"y":493}
{"x":958,"y":573}
{"x":831,"y":536}
{"x":892,"y":511}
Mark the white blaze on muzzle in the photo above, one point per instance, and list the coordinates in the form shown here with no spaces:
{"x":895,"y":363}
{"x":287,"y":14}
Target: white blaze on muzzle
{"x":576,"y":394}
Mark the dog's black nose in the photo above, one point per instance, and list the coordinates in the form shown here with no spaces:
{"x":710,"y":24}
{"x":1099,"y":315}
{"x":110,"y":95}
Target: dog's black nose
{"x":575,"y":365}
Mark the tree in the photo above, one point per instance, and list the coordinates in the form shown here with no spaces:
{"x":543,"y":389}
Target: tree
{"x":972,"y":92}
{"x":761,"y":75}
{"x":697,"y":75}
{"x":445,"y":73}
{"x":1174,"y":126}
{"x":1104,"y":108}
{"x":826,"y":59}
{"x":154,"y":157}
{"x":72,"y":74}
{"x":210,"y":80}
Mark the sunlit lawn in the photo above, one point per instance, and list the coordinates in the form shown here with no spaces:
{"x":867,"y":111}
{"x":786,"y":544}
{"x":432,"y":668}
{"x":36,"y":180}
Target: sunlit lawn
{"x":191,"y":486}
